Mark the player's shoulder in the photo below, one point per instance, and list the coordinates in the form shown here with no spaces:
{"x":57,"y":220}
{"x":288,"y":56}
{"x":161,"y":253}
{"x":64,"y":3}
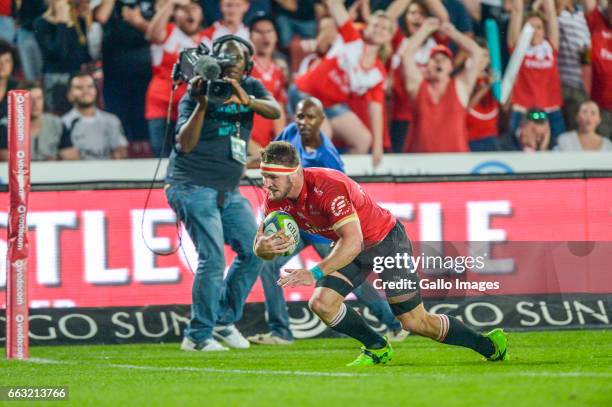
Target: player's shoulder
{"x":324,"y":178}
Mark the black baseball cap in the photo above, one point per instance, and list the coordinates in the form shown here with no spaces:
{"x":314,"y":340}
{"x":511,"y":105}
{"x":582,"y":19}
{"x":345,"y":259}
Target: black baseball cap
{"x":535,"y":114}
{"x":261,"y":16}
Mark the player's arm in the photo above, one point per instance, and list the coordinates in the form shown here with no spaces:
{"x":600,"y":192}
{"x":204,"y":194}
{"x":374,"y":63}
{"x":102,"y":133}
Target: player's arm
{"x":348,"y":246}
{"x":268,"y":247}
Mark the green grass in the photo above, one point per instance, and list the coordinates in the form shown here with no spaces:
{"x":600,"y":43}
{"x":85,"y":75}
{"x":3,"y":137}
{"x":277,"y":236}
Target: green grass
{"x":572,"y":368}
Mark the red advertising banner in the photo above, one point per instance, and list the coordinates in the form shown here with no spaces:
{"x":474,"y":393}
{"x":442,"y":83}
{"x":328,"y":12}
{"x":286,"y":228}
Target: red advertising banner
{"x":87,"y":248}
{"x":17,"y":324}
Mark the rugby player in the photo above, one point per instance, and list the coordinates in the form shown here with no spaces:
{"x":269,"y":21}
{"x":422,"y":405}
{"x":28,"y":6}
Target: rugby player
{"x":328,"y":203}
{"x":314,"y":150}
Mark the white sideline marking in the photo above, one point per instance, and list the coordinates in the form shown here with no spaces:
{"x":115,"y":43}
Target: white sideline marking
{"x":321,"y":374}
{"x":205,"y":369}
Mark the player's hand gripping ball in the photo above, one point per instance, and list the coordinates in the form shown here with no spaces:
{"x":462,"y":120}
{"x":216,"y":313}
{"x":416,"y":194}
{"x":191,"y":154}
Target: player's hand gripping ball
{"x":282,"y":221}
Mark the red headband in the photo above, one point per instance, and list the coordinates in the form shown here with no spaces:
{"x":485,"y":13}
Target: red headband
{"x":278,"y":169}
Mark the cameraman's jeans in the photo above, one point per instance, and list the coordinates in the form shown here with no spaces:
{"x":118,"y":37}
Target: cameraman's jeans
{"x":216,"y":301}
{"x":276,"y":307}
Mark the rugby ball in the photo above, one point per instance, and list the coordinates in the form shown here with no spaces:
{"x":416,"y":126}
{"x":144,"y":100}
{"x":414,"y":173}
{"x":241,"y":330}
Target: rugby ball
{"x":279,"y":220}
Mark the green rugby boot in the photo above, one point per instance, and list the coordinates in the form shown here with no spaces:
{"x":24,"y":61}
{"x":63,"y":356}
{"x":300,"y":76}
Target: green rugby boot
{"x":500,"y":342}
{"x":371,"y":357}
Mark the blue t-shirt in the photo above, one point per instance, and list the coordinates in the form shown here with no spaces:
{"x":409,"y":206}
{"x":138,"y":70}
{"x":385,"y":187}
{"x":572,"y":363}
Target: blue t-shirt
{"x":325,"y":156}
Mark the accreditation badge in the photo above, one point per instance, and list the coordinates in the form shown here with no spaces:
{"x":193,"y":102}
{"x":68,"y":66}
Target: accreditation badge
{"x":238,"y":149}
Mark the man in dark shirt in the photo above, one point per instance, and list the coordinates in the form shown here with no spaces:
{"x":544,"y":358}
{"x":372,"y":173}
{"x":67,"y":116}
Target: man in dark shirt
{"x":127,"y":62}
{"x":202,"y":188}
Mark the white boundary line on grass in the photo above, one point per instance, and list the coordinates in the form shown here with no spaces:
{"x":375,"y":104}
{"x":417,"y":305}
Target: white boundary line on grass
{"x":207,"y":369}
{"x":320,"y":374}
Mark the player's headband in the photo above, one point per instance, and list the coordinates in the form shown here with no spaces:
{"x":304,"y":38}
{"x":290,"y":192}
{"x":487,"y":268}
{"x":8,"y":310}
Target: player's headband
{"x":278,"y":169}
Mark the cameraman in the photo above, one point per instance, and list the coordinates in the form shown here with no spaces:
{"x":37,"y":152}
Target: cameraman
{"x":202,"y":188}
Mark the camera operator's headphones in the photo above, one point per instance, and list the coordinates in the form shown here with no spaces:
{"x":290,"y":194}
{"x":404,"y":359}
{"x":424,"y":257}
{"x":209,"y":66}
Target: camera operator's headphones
{"x":248,"y":60}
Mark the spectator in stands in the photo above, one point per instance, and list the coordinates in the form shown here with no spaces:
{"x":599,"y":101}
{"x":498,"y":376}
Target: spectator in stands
{"x":600,"y":25}
{"x":29,"y":50}
{"x":96,"y":134}
{"x":62,"y":34}
{"x":168,"y":39}
{"x":483,"y":111}
{"x":233,"y":12}
{"x":534,"y":132}
{"x":415,"y":13}
{"x":49,"y":137}
{"x":127,"y":65}
{"x":574,"y":47}
{"x":538,"y":82}
{"x":351,"y":69}
{"x":264,"y":39}
{"x":586,"y":137}
{"x":439,"y":100}
{"x":293,"y":18}
{"x":8,"y":60}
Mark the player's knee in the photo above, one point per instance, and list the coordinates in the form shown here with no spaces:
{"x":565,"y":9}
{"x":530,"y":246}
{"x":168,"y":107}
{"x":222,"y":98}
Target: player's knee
{"x":322,"y":306}
{"x":415,"y":324}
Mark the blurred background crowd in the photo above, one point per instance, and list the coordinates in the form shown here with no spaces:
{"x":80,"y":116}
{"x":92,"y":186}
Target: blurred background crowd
{"x":399,"y":76}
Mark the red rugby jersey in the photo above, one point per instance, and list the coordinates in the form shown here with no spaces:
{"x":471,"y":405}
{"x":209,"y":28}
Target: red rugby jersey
{"x":329,"y":199}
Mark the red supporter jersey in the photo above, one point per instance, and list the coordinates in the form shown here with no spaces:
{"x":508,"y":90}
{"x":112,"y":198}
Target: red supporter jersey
{"x":482,"y":118}
{"x":164,"y":56}
{"x":601,"y":40}
{"x":273,"y":79}
{"x":438,"y":127}
{"x":538,"y":83}
{"x":219,"y":29}
{"x":340,"y":76}
{"x":401,"y":105}
{"x":6,"y":8}
{"x":329,"y":199}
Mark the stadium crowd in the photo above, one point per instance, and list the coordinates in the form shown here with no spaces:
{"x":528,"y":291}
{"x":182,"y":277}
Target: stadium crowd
{"x":398,"y":76}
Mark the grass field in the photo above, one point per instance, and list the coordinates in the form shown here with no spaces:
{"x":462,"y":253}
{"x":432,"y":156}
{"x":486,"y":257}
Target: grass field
{"x":572,"y":368}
